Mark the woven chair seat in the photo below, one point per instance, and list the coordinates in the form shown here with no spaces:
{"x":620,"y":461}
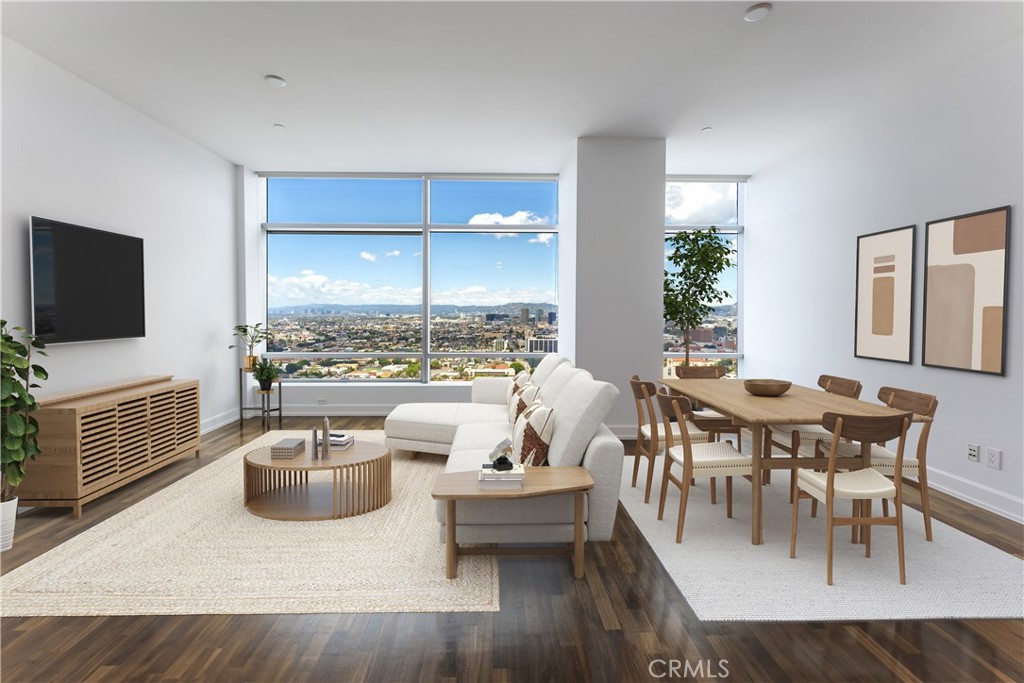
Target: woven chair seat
{"x":855,"y":485}
{"x":717,"y":459}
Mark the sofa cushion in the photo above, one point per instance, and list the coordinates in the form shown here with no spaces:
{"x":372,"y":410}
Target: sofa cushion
{"x":554,"y":384}
{"x":531,"y":435}
{"x":579,"y":410}
{"x":521,"y":400}
{"x":437,"y":422}
{"x":518,"y":382}
{"x":546,"y":366}
{"x":480,"y":437}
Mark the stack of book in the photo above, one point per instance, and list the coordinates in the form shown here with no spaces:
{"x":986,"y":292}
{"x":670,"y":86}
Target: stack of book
{"x":286,"y":449}
{"x":339,"y":440}
{"x":507,"y":479}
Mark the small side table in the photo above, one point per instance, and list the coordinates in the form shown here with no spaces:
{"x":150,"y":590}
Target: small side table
{"x":265,"y":408}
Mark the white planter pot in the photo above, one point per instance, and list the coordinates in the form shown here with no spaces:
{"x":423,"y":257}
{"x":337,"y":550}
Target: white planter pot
{"x":8,"y":515}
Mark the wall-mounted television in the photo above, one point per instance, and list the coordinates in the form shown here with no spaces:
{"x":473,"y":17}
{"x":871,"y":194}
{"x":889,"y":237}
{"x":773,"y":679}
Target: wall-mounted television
{"x":87,"y":284}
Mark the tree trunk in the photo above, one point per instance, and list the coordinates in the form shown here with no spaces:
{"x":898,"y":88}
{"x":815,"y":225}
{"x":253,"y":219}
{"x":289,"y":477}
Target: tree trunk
{"x":686,"y":343}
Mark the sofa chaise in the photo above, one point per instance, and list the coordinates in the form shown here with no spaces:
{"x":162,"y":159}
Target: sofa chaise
{"x":467,"y":432}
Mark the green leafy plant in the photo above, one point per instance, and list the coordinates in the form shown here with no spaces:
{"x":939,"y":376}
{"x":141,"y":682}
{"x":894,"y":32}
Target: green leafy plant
{"x":18,"y":429}
{"x":265,"y":371}
{"x":696,"y":258}
{"x":250,"y":336}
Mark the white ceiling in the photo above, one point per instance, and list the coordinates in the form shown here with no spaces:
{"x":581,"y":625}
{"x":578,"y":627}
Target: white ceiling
{"x":505,"y":86}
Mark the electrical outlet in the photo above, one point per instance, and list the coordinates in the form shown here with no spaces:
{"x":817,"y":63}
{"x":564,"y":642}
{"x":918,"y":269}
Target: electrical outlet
{"x":321,"y":401}
{"x":994,"y":458}
{"x":973,"y":452}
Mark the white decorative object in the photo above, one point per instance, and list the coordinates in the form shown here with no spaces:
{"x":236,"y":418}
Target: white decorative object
{"x":8,"y":515}
{"x":325,"y":453}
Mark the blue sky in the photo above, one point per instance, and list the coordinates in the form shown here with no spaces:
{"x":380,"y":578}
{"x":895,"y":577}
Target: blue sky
{"x":467,"y":268}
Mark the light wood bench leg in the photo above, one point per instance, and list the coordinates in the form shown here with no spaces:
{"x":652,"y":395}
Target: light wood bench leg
{"x":577,"y":550}
{"x":450,"y":546}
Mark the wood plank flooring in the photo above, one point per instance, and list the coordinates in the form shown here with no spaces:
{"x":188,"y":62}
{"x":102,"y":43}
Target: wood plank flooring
{"x":609,"y":626}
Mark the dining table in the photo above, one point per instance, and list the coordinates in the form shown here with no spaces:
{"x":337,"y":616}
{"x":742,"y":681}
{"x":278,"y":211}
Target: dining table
{"x":798,"y":406}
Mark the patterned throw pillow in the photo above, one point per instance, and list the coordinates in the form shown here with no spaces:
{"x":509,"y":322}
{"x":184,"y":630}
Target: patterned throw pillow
{"x":521,"y":400}
{"x":517,"y":383}
{"x":531,"y":435}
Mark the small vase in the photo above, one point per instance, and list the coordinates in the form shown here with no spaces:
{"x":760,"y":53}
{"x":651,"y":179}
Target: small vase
{"x":250,"y":361}
{"x":266,"y":384}
{"x":8,"y":515}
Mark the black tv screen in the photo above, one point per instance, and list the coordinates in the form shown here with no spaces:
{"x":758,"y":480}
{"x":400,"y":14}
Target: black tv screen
{"x":87,"y":284}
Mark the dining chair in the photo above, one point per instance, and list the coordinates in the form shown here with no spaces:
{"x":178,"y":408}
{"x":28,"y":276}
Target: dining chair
{"x":698,"y":460}
{"x":792,"y":436}
{"x":712,"y":421}
{"x":884,"y":460}
{"x":648,"y":441}
{"x":861,"y":486}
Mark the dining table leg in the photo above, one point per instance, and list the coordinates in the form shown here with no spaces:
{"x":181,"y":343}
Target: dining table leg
{"x":757,"y":437}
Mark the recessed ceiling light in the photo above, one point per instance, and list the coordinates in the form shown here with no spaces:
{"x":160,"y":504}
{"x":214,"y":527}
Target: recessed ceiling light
{"x":757,"y":12}
{"x":706,"y":129}
{"x":275,"y":81}
{"x":278,"y":125}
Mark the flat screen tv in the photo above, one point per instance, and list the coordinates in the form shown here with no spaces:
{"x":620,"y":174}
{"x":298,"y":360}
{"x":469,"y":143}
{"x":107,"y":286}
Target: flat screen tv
{"x":87,"y":284}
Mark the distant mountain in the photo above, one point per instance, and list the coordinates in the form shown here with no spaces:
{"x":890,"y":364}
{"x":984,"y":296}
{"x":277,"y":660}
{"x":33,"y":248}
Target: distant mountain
{"x":401,"y":309}
{"x":729,"y":310}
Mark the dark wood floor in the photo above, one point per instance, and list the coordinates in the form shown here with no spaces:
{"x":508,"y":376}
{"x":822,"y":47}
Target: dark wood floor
{"x":551,"y":627}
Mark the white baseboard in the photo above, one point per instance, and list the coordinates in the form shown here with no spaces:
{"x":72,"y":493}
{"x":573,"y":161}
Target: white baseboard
{"x":985,"y":497}
{"x":217,"y":421}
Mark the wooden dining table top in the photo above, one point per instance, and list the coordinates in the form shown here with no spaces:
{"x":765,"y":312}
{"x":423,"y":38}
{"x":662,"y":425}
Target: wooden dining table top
{"x":799,"y":405}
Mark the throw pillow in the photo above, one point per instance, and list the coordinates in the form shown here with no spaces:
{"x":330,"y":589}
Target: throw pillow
{"x":531,"y":435}
{"x":521,"y":400}
{"x":517,"y":383}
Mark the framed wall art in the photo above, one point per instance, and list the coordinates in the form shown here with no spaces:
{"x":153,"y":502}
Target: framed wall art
{"x":885,"y":295}
{"x":966,"y":259}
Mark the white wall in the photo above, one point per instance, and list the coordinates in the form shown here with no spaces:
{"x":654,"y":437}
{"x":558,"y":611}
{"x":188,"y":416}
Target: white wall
{"x":73,"y":153}
{"x":620,"y":251}
{"x":952,"y":147}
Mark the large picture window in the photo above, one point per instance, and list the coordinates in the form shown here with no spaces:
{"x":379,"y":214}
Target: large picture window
{"x":410,"y":278}
{"x":698,"y":204}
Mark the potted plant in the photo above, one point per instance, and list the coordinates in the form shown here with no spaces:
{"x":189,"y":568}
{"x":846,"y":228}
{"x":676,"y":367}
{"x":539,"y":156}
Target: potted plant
{"x":696,"y":258}
{"x":265,"y":372}
{"x":250,"y":336}
{"x":18,"y":429}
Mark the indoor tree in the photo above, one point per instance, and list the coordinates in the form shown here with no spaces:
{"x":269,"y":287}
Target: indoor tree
{"x":694,"y":261}
{"x":18,"y":429}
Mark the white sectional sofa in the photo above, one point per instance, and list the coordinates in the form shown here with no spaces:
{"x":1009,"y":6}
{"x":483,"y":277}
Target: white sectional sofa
{"x":467,"y":432}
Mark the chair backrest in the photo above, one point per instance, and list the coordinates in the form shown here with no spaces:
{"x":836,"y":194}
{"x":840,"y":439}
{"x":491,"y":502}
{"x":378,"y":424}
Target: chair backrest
{"x":841,"y":386}
{"x":864,"y":429}
{"x":642,"y":393}
{"x":675,"y":408}
{"x":915,"y":402}
{"x":699,"y":371}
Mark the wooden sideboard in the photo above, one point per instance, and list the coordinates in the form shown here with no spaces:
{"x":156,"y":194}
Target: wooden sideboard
{"x":96,"y":440}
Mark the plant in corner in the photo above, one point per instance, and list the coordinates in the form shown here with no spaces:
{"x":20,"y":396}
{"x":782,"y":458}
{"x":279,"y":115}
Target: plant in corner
{"x":18,"y":429}
{"x":695,"y":259}
{"x":250,"y":336}
{"x":265,"y":372}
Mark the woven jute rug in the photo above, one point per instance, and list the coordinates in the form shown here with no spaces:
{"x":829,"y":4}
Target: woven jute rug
{"x":725,"y":578}
{"x":193,"y":548}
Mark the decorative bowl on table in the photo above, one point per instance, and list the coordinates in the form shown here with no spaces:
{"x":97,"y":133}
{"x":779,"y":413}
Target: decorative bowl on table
{"x":767,"y":387}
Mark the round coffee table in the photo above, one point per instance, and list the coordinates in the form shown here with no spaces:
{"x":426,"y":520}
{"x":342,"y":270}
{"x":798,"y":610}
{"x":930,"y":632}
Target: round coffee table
{"x":281,"y":489}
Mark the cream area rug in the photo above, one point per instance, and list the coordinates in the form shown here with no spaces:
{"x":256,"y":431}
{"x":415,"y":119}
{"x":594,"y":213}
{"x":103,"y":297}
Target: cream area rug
{"x":193,"y":548}
{"x":725,"y":578}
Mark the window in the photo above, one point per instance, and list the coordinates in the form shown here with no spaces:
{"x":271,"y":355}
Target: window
{"x":352,"y":266}
{"x":698,"y":204}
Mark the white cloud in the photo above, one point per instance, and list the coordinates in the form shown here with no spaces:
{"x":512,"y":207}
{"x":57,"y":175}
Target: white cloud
{"x":307,"y":272}
{"x":368,"y":256}
{"x":517,"y":218}
{"x":393,"y":253}
{"x":417,"y":253}
{"x":702,"y":204}
{"x":542,"y":238}
{"x":503,"y":235}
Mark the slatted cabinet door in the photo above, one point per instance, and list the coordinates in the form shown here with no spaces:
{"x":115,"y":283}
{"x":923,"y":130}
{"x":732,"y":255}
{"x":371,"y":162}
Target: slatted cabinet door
{"x":99,"y":449}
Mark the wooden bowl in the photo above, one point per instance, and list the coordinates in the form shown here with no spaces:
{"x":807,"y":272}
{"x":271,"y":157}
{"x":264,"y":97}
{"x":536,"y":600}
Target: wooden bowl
{"x":767,"y":387}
